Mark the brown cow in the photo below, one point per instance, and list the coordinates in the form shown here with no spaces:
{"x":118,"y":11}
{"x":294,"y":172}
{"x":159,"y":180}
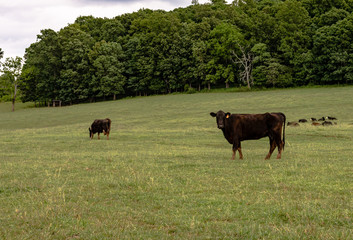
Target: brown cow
{"x":293,"y":124}
{"x":240,"y":127}
{"x":100,"y":126}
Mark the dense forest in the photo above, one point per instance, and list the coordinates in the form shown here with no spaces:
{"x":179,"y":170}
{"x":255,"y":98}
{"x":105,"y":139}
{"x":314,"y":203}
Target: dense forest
{"x":250,"y":43}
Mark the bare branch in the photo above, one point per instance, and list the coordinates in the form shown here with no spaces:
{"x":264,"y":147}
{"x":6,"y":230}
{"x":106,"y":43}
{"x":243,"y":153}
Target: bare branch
{"x":245,"y":60}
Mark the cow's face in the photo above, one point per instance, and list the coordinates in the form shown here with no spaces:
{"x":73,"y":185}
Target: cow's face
{"x":220,"y":118}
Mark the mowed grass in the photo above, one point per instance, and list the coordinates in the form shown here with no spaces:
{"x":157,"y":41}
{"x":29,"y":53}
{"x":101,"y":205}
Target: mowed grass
{"x":167,"y":173}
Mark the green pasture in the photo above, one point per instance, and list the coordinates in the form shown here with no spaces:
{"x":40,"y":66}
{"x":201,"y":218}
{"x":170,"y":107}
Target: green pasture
{"x":167,"y":173}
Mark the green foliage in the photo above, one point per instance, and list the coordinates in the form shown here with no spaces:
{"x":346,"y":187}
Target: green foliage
{"x":283,"y":43}
{"x":108,"y":69}
{"x":5,"y":87}
{"x":41,"y":79}
{"x":333,"y":51}
{"x":9,"y":81}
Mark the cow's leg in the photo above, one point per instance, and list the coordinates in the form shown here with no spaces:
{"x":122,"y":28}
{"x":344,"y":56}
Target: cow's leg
{"x":272,"y":148}
{"x":239,"y":150}
{"x":279,"y":143}
{"x":107,"y":135}
{"x":240,"y":153}
{"x":234,"y":151}
{"x":237,"y":147}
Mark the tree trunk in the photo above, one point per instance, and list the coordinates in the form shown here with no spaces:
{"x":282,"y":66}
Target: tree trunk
{"x":248,"y":79}
{"x":209,"y":86}
{"x":227,"y":84}
{"x":14,"y":98}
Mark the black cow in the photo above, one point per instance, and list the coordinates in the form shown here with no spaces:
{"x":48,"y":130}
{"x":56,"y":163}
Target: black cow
{"x":326,"y":123}
{"x":240,"y":127}
{"x":100,"y":126}
{"x":303,"y":120}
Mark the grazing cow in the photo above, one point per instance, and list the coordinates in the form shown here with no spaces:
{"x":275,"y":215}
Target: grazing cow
{"x":331,"y":118}
{"x":316,"y":124}
{"x":293,"y":124}
{"x":303,"y":120}
{"x":326,"y":123}
{"x":100,"y":126}
{"x":240,"y":127}
{"x":322,"y":119}
{"x":313,"y":119}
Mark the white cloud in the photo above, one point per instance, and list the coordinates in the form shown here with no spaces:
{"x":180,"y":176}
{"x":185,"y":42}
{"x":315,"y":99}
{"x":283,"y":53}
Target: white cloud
{"x":22,"y":20}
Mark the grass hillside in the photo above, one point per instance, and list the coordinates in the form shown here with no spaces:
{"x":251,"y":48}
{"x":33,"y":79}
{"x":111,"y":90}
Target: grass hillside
{"x":166,"y":171}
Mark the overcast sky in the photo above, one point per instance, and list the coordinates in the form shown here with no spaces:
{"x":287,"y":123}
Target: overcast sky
{"x":22,"y":20}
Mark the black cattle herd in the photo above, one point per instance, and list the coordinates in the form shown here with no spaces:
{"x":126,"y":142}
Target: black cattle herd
{"x":239,"y":127}
{"x":323,"y":121}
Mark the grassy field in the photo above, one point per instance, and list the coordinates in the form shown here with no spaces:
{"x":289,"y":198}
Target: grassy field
{"x":167,"y":173}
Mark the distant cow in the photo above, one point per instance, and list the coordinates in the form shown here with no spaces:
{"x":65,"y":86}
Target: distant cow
{"x":240,"y":127}
{"x":326,"y":123}
{"x":313,"y":119}
{"x":303,"y":120}
{"x":293,"y":124}
{"x":316,"y":124}
{"x":322,"y":119}
{"x":331,"y":118}
{"x":100,"y":126}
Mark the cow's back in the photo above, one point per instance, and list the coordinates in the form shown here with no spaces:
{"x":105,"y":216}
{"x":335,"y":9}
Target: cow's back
{"x":250,"y":126}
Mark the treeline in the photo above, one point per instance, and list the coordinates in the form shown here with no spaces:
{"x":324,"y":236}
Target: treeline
{"x":253,"y":43}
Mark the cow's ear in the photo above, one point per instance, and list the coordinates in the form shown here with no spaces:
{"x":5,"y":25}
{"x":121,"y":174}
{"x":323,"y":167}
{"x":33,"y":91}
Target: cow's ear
{"x":227,"y":114}
{"x":213,"y":114}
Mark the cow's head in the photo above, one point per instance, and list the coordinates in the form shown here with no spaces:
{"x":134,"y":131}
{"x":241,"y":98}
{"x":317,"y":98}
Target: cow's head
{"x":220,"y":118}
{"x":90,"y":132}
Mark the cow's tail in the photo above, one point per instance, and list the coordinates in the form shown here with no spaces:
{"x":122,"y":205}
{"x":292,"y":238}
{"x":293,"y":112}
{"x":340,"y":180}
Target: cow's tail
{"x":109,"y":123}
{"x":284,"y":127}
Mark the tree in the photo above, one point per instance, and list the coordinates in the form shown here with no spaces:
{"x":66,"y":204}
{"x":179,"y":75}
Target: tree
{"x":40,"y":78}
{"x":268,"y":71}
{"x":199,"y":51}
{"x":198,"y":35}
{"x":108,"y":69}
{"x":224,"y":40}
{"x":139,"y":66}
{"x":12,"y":69}
{"x":245,"y":60}
{"x":1,"y":53}
{"x":160,"y":33}
{"x":332,"y":53}
{"x":319,"y":7}
{"x":218,"y":1}
{"x":75,"y":73}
